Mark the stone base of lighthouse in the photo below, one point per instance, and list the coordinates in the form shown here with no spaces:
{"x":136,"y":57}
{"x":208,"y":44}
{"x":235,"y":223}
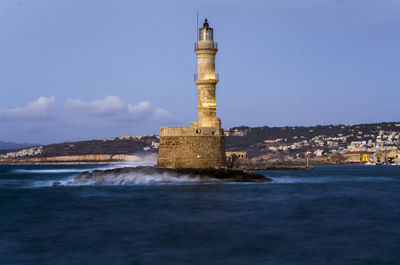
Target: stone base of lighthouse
{"x":191,"y":147}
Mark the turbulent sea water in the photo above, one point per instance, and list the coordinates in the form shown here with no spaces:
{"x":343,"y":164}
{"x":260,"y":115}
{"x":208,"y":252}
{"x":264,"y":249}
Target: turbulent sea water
{"x":330,"y":215}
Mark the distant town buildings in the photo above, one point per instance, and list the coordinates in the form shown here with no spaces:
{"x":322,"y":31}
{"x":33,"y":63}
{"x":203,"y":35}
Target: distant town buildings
{"x":366,"y":144}
{"x":34,"y":151}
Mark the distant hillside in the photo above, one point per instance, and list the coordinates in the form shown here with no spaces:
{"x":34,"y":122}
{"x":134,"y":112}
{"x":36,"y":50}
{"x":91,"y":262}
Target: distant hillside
{"x":285,"y":143}
{"x":113,"y":146}
{"x":299,"y":139}
{"x":253,"y":135}
{"x":10,"y":145}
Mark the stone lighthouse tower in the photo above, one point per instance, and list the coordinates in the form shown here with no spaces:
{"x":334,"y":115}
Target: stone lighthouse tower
{"x":206,"y":78}
{"x":200,"y":145}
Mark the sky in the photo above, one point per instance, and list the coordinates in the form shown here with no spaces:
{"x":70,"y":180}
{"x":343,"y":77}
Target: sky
{"x":95,"y":69}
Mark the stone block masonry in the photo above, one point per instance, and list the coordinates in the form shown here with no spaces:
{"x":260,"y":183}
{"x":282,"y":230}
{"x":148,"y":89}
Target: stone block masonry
{"x":191,"y":147}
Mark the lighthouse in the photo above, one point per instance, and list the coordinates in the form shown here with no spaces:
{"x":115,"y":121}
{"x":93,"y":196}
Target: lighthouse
{"x":200,"y":145}
{"x":206,"y":79}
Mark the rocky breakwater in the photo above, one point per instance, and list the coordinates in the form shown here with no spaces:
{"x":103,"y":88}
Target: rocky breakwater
{"x":130,"y":175}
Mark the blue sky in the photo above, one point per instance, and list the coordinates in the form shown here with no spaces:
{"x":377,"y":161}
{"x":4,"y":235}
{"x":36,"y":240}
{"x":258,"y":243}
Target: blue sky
{"x":92,"y":69}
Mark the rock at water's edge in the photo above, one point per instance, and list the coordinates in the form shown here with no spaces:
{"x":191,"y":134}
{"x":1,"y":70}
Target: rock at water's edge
{"x":222,"y":174}
{"x":56,"y":184}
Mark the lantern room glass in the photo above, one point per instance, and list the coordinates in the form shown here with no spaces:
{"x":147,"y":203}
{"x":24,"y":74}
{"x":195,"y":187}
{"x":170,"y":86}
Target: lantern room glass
{"x":206,"y":34}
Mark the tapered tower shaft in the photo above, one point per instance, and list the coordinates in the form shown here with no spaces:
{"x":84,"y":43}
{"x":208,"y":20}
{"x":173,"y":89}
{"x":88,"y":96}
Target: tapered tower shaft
{"x":206,"y":78}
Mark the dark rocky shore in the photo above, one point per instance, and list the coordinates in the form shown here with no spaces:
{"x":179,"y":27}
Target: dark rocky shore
{"x":118,"y":174}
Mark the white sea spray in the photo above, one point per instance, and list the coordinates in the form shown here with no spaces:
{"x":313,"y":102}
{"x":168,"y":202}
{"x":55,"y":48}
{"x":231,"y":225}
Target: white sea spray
{"x":136,"y":178}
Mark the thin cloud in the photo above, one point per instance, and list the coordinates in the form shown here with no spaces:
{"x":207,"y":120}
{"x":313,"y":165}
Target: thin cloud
{"x":103,"y":107}
{"x":111,"y":107}
{"x":114,"y":108}
{"x":41,"y":109}
{"x":162,"y":114}
{"x":143,"y":106}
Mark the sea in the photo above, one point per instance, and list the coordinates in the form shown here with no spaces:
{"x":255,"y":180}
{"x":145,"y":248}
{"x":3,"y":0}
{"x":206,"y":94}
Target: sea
{"x":330,"y":215}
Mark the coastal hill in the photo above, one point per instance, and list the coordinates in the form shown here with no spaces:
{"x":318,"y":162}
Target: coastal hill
{"x":108,"y":150}
{"x":322,"y":141}
{"x":288,"y":143}
{"x":10,"y":145}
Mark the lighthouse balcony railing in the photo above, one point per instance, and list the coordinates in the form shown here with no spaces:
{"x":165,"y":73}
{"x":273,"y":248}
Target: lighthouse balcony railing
{"x":215,"y":45}
{"x":216,"y":77}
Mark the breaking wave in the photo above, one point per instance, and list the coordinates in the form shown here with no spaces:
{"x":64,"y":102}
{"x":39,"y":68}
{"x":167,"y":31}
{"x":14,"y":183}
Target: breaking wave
{"x":134,"y":179}
{"x":50,"y":171}
{"x":68,"y":170}
{"x":49,"y":183}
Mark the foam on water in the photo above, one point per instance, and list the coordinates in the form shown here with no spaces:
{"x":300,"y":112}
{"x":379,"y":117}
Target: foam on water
{"x":50,"y":171}
{"x":49,"y":183}
{"x":70,"y":170}
{"x":113,"y":179}
{"x":51,"y":175}
{"x":103,"y":167}
{"x":137,"y":179}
